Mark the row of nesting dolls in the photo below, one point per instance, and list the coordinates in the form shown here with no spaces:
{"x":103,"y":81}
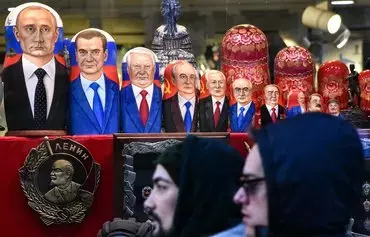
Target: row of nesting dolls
{"x":35,"y":85}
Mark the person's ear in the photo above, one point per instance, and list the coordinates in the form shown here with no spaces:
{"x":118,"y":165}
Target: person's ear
{"x":16,"y":33}
{"x":105,"y":55}
{"x":56,"y":35}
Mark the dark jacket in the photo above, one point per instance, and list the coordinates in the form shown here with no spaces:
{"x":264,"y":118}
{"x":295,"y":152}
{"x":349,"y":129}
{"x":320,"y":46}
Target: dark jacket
{"x":206,"y":116}
{"x":17,"y":105}
{"x":265,"y":115}
{"x":172,"y":118}
{"x":313,"y":178}
{"x":205,"y":204}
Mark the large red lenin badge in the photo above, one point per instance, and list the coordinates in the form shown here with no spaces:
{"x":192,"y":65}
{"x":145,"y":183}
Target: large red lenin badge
{"x":294,"y":69}
{"x":364,"y":82}
{"x":332,"y":82}
{"x":245,"y":54}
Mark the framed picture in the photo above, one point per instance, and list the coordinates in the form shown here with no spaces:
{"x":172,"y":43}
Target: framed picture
{"x":134,"y":156}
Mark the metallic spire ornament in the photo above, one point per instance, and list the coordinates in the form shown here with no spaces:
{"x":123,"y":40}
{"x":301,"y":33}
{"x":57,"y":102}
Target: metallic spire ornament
{"x":170,"y":10}
{"x":171,"y":41}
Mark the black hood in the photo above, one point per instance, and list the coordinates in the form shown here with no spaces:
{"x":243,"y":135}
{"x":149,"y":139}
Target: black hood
{"x":313,"y":164}
{"x":209,"y":178}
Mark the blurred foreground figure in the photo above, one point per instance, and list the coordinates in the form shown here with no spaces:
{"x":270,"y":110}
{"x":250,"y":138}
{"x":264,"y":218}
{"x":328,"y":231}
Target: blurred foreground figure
{"x":303,"y":186}
{"x":194,"y":182}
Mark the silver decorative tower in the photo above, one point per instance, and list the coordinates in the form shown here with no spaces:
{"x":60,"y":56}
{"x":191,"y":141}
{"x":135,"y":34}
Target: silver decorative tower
{"x":171,"y":41}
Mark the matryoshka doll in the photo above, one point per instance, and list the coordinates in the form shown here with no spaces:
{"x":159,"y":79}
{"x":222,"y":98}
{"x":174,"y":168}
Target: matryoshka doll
{"x":364,"y":82}
{"x":245,"y":54}
{"x":294,"y":69}
{"x":332,"y":82}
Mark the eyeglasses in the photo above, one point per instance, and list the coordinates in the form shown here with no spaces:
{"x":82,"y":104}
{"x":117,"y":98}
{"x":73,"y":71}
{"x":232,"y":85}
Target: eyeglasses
{"x":238,"y":90}
{"x":271,"y":93}
{"x":250,"y":185}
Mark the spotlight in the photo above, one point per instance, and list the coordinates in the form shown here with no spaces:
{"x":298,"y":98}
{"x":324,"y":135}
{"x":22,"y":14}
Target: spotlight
{"x":318,"y":18}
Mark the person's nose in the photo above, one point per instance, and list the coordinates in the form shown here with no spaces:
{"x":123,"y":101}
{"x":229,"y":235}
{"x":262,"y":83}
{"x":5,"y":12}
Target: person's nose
{"x":240,"y":197}
{"x":149,"y":202}
{"x":39,"y":37}
{"x":142,"y":71}
{"x":218,"y":85}
{"x":89,"y":57}
{"x":187,"y":81}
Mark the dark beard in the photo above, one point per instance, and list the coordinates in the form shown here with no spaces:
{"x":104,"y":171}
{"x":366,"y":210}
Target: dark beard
{"x":154,"y":217}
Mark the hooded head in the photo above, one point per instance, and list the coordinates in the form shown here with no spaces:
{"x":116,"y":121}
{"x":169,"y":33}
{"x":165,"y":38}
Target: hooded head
{"x":204,"y":175}
{"x":312,"y":181}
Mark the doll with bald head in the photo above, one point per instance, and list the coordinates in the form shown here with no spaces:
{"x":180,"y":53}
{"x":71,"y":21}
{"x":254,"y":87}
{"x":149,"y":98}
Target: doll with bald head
{"x":214,"y":109}
{"x":181,"y":111}
{"x":242,"y":113}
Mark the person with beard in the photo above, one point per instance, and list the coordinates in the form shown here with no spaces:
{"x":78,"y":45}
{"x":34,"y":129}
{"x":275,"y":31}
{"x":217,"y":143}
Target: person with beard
{"x":271,"y":111}
{"x":306,"y":186}
{"x":315,"y":103}
{"x":194,"y":182}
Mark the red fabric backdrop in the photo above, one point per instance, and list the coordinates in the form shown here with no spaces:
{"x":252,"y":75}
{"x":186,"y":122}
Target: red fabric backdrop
{"x":18,"y":219}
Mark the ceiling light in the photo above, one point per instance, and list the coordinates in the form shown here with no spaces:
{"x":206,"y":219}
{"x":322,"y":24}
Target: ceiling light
{"x":318,"y":18}
{"x":343,"y":2}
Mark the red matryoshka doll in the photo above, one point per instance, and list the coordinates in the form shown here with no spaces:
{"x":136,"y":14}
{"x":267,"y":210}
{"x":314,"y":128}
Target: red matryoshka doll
{"x":294,"y":69}
{"x":364,"y":82}
{"x":332,"y":82}
{"x":245,"y":54}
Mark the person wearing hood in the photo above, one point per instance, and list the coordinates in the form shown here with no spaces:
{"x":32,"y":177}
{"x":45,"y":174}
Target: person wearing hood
{"x":194,"y":182}
{"x":302,"y":185}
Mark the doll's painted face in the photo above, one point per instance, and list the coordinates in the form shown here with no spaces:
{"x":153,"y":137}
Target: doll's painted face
{"x":333,"y":108}
{"x":91,"y":57}
{"x":301,"y":99}
{"x":315,"y":104}
{"x":242,"y":89}
{"x":141,"y":69}
{"x":185,"y":77}
{"x":216,"y":84}
{"x":271,"y":95}
{"x":36,"y":32}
